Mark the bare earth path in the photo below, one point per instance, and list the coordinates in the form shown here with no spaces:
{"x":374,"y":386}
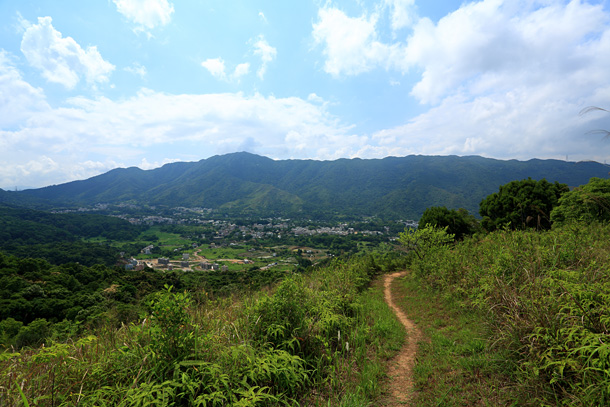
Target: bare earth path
{"x":400,"y":372}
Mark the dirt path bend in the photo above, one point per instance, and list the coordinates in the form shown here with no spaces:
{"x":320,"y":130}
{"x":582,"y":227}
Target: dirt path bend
{"x":400,"y":372}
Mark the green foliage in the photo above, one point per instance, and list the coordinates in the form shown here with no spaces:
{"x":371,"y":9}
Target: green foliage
{"x":58,"y":237}
{"x":396,"y":187}
{"x":589,"y":202}
{"x":9,"y":328}
{"x":425,"y":240}
{"x":33,"y":334}
{"x":458,"y":222}
{"x":547,"y":297}
{"x":171,"y":335}
{"x":69,"y":298}
{"x":284,"y":346}
{"x":521,"y":204}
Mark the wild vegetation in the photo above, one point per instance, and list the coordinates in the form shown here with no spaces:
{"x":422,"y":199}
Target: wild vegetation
{"x":540,"y":305}
{"x":316,"y":338}
{"x":58,"y":238}
{"x":518,"y":315}
{"x":521,"y":204}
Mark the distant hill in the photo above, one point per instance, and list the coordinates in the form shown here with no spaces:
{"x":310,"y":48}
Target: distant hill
{"x":398,"y":187}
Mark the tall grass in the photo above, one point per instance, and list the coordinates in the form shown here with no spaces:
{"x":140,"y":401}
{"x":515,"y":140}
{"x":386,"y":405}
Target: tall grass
{"x":317,"y":339}
{"x":546,"y":296}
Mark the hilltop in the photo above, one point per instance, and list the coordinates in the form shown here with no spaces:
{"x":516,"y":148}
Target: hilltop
{"x":396,"y":187}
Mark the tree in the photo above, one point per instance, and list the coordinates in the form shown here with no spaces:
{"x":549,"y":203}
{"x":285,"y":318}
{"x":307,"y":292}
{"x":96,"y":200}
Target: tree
{"x":521,"y":204}
{"x":589,"y":202}
{"x":458,"y":222}
{"x":425,"y":240}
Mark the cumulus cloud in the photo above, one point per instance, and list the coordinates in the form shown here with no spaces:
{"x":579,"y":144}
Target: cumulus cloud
{"x":489,"y":44}
{"x":266,"y":52}
{"x":147,"y":165}
{"x":18,"y":99}
{"x":312,"y":97}
{"x":137,"y":69}
{"x":503,"y":79}
{"x":87,"y":136}
{"x":261,"y":48}
{"x":475,"y":46}
{"x":495,"y":78}
{"x":62,"y":60}
{"x":217,"y":120}
{"x":403,"y":13}
{"x":351,"y":44}
{"x":216,"y":67}
{"x":241,"y":70}
{"x":146,"y":14}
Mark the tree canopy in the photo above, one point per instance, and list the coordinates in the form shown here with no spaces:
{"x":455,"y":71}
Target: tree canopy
{"x":587,"y":203}
{"x":521,"y":204}
{"x":458,"y":222}
{"x":425,"y":240}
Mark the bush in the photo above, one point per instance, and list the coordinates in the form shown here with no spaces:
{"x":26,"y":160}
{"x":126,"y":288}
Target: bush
{"x":171,"y":333}
{"x":547,"y":296}
{"x":33,"y":334}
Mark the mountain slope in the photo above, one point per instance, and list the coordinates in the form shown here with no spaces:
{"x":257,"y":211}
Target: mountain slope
{"x":393,"y":186}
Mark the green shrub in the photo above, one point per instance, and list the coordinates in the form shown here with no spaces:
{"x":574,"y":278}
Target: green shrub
{"x":547,"y":297}
{"x":171,"y":331}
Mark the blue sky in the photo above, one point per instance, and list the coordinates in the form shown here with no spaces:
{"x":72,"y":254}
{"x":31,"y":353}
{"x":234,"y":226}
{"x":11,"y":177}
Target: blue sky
{"x":87,"y":86}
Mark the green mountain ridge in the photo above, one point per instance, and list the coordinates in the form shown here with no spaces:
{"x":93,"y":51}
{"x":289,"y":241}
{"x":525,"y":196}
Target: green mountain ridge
{"x":398,"y":187}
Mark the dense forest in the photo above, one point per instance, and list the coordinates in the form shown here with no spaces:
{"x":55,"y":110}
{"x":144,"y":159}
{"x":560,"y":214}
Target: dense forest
{"x":243,"y":183}
{"x":58,"y":238}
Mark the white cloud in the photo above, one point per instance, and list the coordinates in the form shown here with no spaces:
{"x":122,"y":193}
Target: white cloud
{"x":509,"y":81}
{"x":22,"y":24}
{"x":262,"y":49}
{"x":266,"y":52}
{"x":403,"y":13}
{"x":146,"y":165}
{"x":62,"y":60}
{"x":505,"y":79}
{"x":471,"y":46}
{"x":487,"y":44}
{"x":351,"y":46}
{"x":261,"y":15}
{"x":522,"y":123}
{"x":241,"y":70}
{"x":502,"y":79}
{"x":18,"y":99}
{"x":216,"y":67}
{"x":220,"y":120}
{"x":312,"y":97}
{"x":137,"y":69}
{"x":146,"y":14}
{"x":88,"y":136}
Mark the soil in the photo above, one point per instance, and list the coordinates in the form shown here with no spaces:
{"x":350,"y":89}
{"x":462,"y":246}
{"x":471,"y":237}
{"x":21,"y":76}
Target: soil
{"x":400,"y":371}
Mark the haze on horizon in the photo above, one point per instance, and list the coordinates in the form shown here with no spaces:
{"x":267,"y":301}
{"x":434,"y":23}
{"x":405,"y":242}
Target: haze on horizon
{"x":86,"y":87}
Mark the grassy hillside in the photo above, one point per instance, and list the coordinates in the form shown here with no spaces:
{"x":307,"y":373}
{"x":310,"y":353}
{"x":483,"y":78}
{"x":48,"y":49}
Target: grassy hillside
{"x":315,"y":339}
{"x":539,"y":304}
{"x":509,"y":318}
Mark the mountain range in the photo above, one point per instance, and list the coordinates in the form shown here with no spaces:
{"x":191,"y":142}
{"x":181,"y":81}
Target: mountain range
{"x":245,"y":183}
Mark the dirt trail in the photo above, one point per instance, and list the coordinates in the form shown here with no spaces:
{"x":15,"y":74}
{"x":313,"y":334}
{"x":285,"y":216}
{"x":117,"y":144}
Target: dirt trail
{"x":400,"y":372}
